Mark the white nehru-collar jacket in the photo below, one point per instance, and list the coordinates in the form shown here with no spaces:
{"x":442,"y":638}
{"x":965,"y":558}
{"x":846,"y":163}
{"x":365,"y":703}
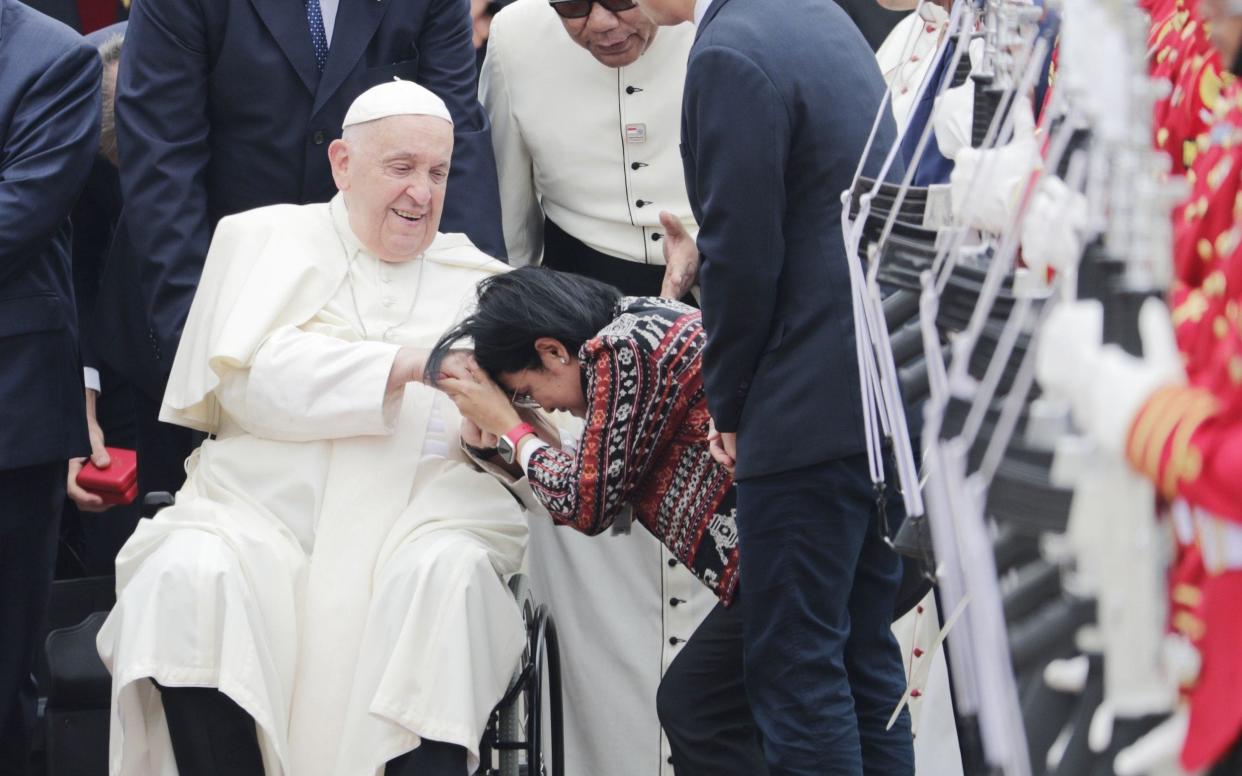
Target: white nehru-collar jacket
{"x":594,"y":148}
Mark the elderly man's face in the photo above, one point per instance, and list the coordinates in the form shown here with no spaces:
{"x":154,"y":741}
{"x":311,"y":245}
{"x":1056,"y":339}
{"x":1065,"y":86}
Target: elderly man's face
{"x":394,"y":172}
{"x":615,"y":39}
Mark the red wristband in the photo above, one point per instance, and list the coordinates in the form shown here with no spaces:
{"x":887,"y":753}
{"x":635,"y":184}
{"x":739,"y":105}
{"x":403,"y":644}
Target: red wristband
{"x":515,"y":434}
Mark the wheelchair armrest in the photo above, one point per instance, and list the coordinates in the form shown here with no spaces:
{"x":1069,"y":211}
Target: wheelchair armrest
{"x":77,"y":677}
{"x":156,"y":500}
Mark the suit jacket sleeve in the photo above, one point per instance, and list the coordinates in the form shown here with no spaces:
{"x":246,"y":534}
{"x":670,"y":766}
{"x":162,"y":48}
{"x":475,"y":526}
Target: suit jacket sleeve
{"x":738,"y":136}
{"x":519,"y":206}
{"x":47,"y":153}
{"x":447,"y":67}
{"x":163,"y":134}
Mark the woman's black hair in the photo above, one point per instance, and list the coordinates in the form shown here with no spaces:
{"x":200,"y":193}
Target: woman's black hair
{"x":516,"y":308}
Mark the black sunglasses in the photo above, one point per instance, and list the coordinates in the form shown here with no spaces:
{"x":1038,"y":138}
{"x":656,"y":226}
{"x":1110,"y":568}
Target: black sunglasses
{"x":577,"y":9}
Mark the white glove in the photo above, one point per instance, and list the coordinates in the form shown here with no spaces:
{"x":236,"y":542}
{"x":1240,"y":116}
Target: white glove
{"x":1068,"y":675}
{"x":1053,"y":227}
{"x":1104,"y":385}
{"x":1002,"y":173}
{"x":1156,"y":753}
{"x":953,"y":118}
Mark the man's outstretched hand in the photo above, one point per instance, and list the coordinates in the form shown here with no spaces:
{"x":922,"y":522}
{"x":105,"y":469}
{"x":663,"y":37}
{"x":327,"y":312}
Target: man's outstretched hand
{"x":681,"y":258}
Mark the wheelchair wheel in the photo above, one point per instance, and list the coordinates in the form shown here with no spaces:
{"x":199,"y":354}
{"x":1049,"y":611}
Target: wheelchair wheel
{"x":546,"y":650}
{"x":516,"y":732}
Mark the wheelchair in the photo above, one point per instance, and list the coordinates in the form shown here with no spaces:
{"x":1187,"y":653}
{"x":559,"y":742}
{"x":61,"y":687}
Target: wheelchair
{"x":524,"y":736}
{"x":513,"y":744}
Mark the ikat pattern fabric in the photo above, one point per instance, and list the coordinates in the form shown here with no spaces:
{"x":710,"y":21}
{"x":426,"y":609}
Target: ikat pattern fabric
{"x":645,"y":443}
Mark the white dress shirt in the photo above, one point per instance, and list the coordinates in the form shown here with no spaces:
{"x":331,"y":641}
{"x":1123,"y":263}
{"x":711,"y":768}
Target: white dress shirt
{"x":700,"y":10}
{"x":329,"y":8}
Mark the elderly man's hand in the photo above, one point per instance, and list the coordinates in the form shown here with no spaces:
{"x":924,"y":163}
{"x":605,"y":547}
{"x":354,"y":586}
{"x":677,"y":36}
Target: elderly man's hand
{"x":681,"y":258}
{"x":84,"y":499}
{"x":474,"y":436}
{"x":722,"y":446}
{"x":457,"y":364}
{"x":407,"y":367}
{"x":481,"y":400}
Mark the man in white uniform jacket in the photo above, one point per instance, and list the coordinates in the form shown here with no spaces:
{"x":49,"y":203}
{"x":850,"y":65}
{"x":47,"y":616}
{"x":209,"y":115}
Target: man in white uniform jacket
{"x":331,"y":573}
{"x":586,"y":120}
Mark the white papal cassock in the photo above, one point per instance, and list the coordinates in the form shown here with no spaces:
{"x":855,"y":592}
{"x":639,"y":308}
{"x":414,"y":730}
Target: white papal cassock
{"x":332,"y":564}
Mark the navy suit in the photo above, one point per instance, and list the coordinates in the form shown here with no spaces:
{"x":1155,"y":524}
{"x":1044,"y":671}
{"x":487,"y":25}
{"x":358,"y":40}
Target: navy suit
{"x":49,"y":132}
{"x":779,"y":101}
{"x":220,"y":109}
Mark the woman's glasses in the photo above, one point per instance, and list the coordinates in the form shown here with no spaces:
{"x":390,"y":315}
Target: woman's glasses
{"x":577,"y":9}
{"x":523,"y":401}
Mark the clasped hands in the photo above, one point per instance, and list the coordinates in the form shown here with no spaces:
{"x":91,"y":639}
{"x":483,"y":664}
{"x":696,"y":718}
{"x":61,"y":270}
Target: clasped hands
{"x":487,"y":411}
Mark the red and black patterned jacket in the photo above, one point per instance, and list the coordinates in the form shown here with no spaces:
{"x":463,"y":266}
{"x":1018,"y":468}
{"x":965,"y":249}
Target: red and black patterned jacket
{"x":645,"y":443}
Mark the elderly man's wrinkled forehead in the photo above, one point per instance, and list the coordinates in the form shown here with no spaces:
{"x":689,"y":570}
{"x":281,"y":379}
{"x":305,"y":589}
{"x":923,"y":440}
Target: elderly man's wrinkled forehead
{"x":415,"y":136}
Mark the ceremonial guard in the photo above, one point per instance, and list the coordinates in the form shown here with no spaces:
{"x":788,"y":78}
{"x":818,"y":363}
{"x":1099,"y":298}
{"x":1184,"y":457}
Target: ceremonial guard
{"x":1182,"y":57}
{"x":1188,"y":438}
{"x":1175,"y":412}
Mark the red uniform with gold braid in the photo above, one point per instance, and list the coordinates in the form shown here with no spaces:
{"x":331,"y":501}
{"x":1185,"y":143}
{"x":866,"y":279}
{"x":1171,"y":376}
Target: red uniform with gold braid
{"x":1188,"y":439}
{"x":1183,"y":58}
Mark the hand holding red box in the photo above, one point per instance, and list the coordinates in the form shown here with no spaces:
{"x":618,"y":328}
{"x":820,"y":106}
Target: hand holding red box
{"x":116,"y":484}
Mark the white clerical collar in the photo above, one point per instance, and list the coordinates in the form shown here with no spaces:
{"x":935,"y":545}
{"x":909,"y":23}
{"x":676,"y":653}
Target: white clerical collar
{"x":700,"y":10}
{"x":340,"y":221}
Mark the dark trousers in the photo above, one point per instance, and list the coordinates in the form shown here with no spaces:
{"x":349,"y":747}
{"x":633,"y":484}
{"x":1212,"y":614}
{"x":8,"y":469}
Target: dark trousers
{"x":702,"y":702}
{"x":30,"y":502}
{"x":213,"y":736}
{"x":162,"y":448}
{"x":823,"y":670}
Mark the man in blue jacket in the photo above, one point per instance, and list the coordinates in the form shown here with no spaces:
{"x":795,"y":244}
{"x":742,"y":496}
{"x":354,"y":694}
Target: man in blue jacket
{"x":778,"y":105}
{"x":228,"y":105}
{"x":49,"y":132}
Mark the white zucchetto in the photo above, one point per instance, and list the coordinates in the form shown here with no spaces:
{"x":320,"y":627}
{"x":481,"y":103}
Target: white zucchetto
{"x":395,"y":98}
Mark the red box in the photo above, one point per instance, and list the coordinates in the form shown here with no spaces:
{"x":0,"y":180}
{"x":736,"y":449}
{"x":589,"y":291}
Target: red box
{"x":118,"y":481}
{"x":116,"y":499}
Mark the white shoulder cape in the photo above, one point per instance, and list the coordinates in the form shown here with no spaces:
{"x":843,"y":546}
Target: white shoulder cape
{"x":266,"y":268}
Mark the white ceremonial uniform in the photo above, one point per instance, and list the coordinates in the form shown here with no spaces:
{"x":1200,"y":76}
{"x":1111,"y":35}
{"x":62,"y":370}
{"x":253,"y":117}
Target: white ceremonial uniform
{"x":585,"y":144}
{"x":333,"y":564}
{"x":594,"y":148}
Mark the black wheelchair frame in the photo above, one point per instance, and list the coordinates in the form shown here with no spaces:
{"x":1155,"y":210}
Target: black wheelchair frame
{"x":516,"y":730}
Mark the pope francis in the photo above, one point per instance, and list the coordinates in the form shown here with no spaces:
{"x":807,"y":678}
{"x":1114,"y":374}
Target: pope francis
{"x":326,"y":596}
